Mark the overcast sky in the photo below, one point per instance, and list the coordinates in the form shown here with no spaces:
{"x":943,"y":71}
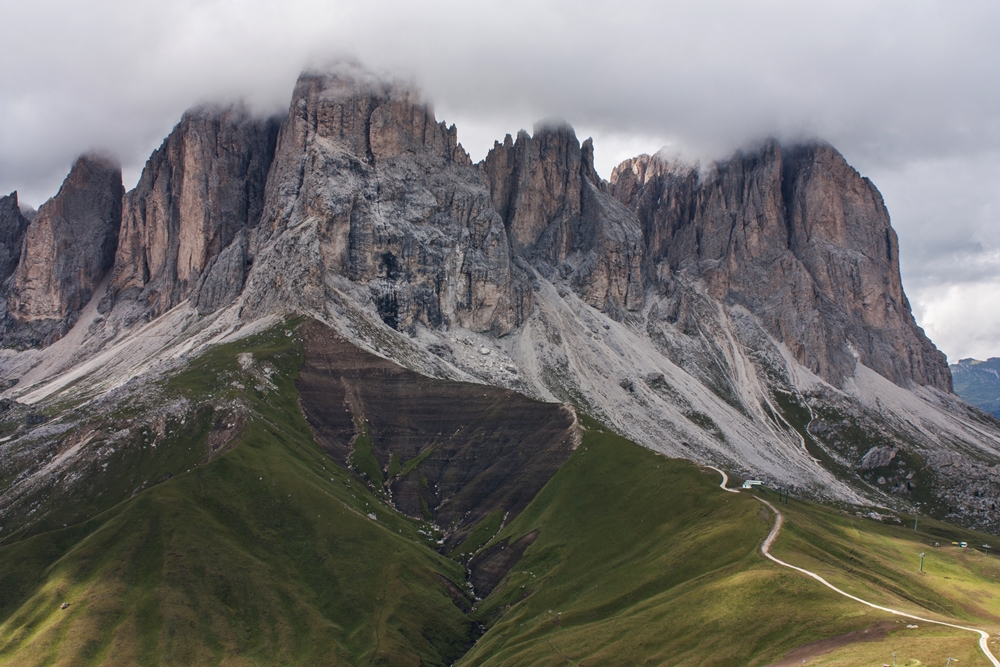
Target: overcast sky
{"x":908,"y":91}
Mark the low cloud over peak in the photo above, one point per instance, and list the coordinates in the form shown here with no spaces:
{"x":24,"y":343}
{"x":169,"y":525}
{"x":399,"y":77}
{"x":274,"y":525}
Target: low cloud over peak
{"x":904,"y":90}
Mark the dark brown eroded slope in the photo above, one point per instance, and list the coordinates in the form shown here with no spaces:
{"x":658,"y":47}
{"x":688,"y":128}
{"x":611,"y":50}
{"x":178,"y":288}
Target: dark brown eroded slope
{"x":483,"y":449}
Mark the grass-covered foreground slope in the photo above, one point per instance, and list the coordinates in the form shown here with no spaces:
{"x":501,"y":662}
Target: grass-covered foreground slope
{"x":265,"y":555}
{"x":880,"y":562}
{"x":227,"y":536}
{"x":664,"y":569}
{"x":640,"y":559}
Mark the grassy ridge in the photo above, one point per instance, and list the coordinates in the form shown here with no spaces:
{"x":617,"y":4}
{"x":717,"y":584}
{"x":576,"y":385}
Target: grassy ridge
{"x":266,"y":555}
{"x":643,"y":560}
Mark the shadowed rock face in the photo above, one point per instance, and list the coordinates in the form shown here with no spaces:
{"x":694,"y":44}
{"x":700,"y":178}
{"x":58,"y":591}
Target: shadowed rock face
{"x":463,"y":450}
{"x":68,"y":249}
{"x":799,"y":238}
{"x":197,"y":192}
{"x":558,"y":213}
{"x":12,"y":227}
{"x":363,"y":185}
{"x":396,"y":205}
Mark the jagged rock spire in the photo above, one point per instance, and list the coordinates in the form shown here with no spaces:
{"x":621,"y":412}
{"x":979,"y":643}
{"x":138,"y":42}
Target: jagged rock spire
{"x":557,"y":213}
{"x":68,"y":250}
{"x":198,"y":190}
{"x":799,"y":238}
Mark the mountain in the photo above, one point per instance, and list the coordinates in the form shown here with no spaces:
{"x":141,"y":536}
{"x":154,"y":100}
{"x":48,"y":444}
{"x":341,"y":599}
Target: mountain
{"x":748,"y":313}
{"x":67,"y":250}
{"x":338,"y":314}
{"x":799,"y":238}
{"x":978,"y":382}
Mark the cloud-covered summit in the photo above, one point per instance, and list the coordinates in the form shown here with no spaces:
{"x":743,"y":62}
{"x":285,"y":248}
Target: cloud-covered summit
{"x":904,"y":90}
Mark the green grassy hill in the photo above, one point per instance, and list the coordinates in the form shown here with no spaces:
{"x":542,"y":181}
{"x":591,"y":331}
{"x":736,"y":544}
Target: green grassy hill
{"x":665,"y":569}
{"x":265,"y":555}
{"x":237,"y":540}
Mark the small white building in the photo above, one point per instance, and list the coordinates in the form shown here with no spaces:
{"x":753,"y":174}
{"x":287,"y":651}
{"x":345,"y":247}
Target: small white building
{"x":751,"y":483}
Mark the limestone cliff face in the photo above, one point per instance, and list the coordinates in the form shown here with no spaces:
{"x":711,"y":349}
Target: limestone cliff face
{"x":800,"y":239}
{"x":397,"y":205}
{"x":12,"y":227}
{"x":68,"y":249}
{"x":362,"y":188}
{"x":197,"y":192}
{"x":558,"y":213}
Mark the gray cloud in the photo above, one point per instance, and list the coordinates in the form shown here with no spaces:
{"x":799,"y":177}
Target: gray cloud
{"x":906,"y":90}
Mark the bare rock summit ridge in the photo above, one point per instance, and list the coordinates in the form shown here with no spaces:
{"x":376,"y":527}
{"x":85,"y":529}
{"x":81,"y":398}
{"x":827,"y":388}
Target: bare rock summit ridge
{"x":799,"y":238}
{"x":362,"y":183}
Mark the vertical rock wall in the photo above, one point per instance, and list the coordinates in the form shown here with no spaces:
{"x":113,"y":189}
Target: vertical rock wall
{"x":197,"y":192}
{"x":12,"y":227}
{"x":800,"y":239}
{"x":68,"y":250}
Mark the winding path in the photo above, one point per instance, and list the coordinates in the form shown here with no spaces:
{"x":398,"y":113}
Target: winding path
{"x":765,"y":548}
{"x":795,"y":431}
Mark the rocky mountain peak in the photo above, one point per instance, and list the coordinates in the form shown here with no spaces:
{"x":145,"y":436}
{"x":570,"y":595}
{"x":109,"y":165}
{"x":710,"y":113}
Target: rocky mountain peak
{"x":395,"y":205}
{"x":558,"y":213}
{"x":198,"y":190}
{"x":799,"y":238}
{"x":536,"y":185}
{"x":372,"y":117}
{"x":68,"y":249}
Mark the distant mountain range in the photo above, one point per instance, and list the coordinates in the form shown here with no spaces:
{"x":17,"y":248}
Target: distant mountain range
{"x":978,"y":382}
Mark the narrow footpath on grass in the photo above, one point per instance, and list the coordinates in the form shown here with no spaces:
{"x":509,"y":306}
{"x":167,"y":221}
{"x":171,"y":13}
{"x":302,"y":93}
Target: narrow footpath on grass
{"x":765,"y":548}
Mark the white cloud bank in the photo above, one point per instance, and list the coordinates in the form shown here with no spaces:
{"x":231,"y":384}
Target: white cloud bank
{"x":965,"y":315}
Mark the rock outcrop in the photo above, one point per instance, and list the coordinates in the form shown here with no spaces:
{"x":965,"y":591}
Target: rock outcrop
{"x":68,"y":249}
{"x":395,"y":204}
{"x":362,"y":184}
{"x":198,"y":191}
{"x":13,"y":224}
{"x":559,"y":215}
{"x":799,"y":238}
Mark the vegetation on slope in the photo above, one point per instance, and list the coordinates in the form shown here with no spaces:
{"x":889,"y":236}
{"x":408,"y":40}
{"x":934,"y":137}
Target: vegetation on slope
{"x":641,"y":559}
{"x":261,"y":550}
{"x":882,"y":561}
{"x":665,"y":569}
{"x":265,"y":555}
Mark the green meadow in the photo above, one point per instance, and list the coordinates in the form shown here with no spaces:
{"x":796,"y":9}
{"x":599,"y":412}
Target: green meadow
{"x":272,"y":554}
